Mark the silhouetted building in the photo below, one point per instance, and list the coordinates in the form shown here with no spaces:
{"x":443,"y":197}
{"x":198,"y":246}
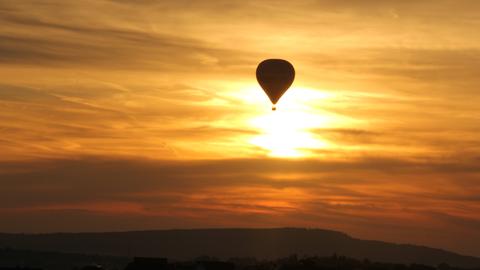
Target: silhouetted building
{"x":421,"y":267}
{"x":214,"y":265}
{"x":146,"y":263}
{"x":188,"y":265}
{"x":93,"y":267}
{"x":19,"y":268}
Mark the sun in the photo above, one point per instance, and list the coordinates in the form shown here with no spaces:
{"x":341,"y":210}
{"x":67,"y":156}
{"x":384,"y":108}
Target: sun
{"x":290,"y":130}
{"x":287,"y":134}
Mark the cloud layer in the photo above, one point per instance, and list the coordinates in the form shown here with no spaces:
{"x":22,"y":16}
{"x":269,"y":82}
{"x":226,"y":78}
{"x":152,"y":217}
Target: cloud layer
{"x":389,"y":199}
{"x":145,"y":114}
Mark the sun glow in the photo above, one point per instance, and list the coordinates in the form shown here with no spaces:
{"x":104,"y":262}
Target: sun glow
{"x":288,"y":131}
{"x":285,"y":134}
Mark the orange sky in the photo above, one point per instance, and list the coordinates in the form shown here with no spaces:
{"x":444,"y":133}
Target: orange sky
{"x":147,"y":115}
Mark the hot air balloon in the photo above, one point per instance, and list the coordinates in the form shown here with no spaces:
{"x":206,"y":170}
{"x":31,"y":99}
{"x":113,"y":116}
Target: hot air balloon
{"x":275,"y":76}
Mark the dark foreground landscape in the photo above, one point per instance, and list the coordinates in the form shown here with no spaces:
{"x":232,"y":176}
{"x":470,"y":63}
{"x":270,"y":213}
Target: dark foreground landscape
{"x":221,"y":249}
{"x":32,"y":260}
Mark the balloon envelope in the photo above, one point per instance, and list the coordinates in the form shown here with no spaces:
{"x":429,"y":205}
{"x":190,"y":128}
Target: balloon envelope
{"x":275,"y":76}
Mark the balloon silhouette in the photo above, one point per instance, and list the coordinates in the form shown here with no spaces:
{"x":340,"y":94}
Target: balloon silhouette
{"x":275,"y":76}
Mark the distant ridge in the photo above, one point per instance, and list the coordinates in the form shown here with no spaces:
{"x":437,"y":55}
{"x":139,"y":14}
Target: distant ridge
{"x":227,"y":243}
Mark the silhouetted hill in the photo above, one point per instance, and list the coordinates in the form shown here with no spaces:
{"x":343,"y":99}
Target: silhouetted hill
{"x":227,"y":243}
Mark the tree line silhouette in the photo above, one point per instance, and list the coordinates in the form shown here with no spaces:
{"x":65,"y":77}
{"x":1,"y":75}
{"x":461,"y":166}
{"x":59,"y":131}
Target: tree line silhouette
{"x":29,"y":260}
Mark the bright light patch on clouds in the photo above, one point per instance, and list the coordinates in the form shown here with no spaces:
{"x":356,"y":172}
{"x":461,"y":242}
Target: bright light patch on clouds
{"x":286,"y":131}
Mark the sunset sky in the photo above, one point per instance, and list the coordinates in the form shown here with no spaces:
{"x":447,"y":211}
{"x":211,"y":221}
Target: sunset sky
{"x":132,"y":115}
